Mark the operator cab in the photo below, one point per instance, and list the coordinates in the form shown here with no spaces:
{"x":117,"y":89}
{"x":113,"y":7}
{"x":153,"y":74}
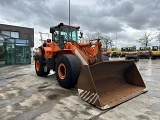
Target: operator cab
{"x":130,"y":49}
{"x":63,"y":33}
{"x":123,"y":49}
{"x":144,"y":48}
{"x":155,"y":48}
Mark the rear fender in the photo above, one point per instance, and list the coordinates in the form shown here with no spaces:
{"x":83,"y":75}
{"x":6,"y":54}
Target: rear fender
{"x":48,"y":52}
{"x":51,"y":62}
{"x":64,"y":51}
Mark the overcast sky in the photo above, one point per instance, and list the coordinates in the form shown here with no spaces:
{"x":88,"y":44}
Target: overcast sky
{"x":128,"y":18}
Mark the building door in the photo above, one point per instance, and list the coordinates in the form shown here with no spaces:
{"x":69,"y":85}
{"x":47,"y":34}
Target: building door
{"x":2,"y":53}
{"x":10,"y":54}
{"x":22,"y":54}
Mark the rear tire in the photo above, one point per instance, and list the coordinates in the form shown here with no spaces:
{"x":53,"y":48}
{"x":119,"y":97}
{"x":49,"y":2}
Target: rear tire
{"x":39,"y":66}
{"x":68,"y":68}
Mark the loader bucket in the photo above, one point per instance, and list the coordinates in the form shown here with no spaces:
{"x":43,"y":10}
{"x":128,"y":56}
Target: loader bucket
{"x":110,"y":83}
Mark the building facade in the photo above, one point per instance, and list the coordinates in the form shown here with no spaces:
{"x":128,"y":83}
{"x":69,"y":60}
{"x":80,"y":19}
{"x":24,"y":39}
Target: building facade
{"x":15,"y":44}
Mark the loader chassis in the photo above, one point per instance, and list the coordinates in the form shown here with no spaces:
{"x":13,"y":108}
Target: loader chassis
{"x":114,"y":52}
{"x":123,"y":52}
{"x":144,"y":52}
{"x":65,"y":55}
{"x":100,"y":82}
{"x":155,"y":53}
{"x":131,"y":54}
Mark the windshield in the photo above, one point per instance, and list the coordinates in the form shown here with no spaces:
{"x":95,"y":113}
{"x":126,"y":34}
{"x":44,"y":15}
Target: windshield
{"x":130,"y":49}
{"x":68,"y":33}
{"x":65,"y":33}
{"x":62,"y":33}
{"x":155,"y":48}
{"x":113,"y":49}
{"x":143,"y":48}
{"x":123,"y":49}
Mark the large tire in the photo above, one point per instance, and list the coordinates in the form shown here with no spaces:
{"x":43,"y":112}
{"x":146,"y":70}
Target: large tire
{"x":68,"y":68}
{"x":148,"y":57}
{"x":136,"y":59}
{"x":105,"y":58}
{"x":39,"y":66}
{"x":152,"y":57}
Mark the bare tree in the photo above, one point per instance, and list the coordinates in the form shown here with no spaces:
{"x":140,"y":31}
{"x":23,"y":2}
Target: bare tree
{"x":106,"y":41}
{"x":89,"y":36}
{"x":158,"y":36}
{"x":145,"y":39}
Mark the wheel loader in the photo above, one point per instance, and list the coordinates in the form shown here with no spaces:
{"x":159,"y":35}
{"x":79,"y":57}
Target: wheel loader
{"x":144,"y":52}
{"x":132,"y":54}
{"x":155,"y":53}
{"x":100,"y":82}
{"x":123,"y":52}
{"x":115,"y":52}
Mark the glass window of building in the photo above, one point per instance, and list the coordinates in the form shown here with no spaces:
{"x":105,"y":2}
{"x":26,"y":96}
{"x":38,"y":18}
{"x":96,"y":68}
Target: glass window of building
{"x":22,"y":51}
{"x":8,"y":33}
{"x":2,"y":54}
{"x":9,"y":51}
{"x":15,"y":34}
{"x":14,"y":51}
{"x":1,"y":38}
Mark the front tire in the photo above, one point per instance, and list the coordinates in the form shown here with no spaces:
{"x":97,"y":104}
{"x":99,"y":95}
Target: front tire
{"x":152,"y":57}
{"x":68,"y":68}
{"x":105,"y":58}
{"x":136,"y":59}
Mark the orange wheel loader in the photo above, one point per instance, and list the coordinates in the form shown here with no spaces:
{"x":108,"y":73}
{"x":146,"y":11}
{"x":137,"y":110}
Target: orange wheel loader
{"x":100,"y":82}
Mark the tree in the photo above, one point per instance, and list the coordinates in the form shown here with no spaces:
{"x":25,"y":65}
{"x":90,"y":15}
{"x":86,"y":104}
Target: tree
{"x":158,"y":36}
{"x":89,"y":36}
{"x":106,"y":41}
{"x":145,"y":39}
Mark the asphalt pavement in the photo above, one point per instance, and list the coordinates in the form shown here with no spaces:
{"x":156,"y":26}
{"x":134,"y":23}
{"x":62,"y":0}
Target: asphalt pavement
{"x":25,"y":96}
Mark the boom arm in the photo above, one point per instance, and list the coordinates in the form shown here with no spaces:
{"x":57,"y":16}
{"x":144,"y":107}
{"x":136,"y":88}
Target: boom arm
{"x":88,"y":53}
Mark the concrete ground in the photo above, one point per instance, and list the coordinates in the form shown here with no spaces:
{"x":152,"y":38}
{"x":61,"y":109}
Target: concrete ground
{"x":25,"y":96}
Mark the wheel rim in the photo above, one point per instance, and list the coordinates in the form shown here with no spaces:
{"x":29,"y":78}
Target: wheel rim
{"x":37,"y":65}
{"x":62,"y":71}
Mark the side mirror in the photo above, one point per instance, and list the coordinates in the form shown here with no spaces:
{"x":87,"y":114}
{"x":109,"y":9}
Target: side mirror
{"x":55,"y":34}
{"x":81,"y":34}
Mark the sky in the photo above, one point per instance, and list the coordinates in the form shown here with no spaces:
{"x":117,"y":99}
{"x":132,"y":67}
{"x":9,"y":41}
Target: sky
{"x":126,"y":20}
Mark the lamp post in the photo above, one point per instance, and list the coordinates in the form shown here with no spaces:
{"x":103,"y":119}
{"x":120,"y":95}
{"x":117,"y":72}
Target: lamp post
{"x":116,"y":40}
{"x":69,"y":12}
